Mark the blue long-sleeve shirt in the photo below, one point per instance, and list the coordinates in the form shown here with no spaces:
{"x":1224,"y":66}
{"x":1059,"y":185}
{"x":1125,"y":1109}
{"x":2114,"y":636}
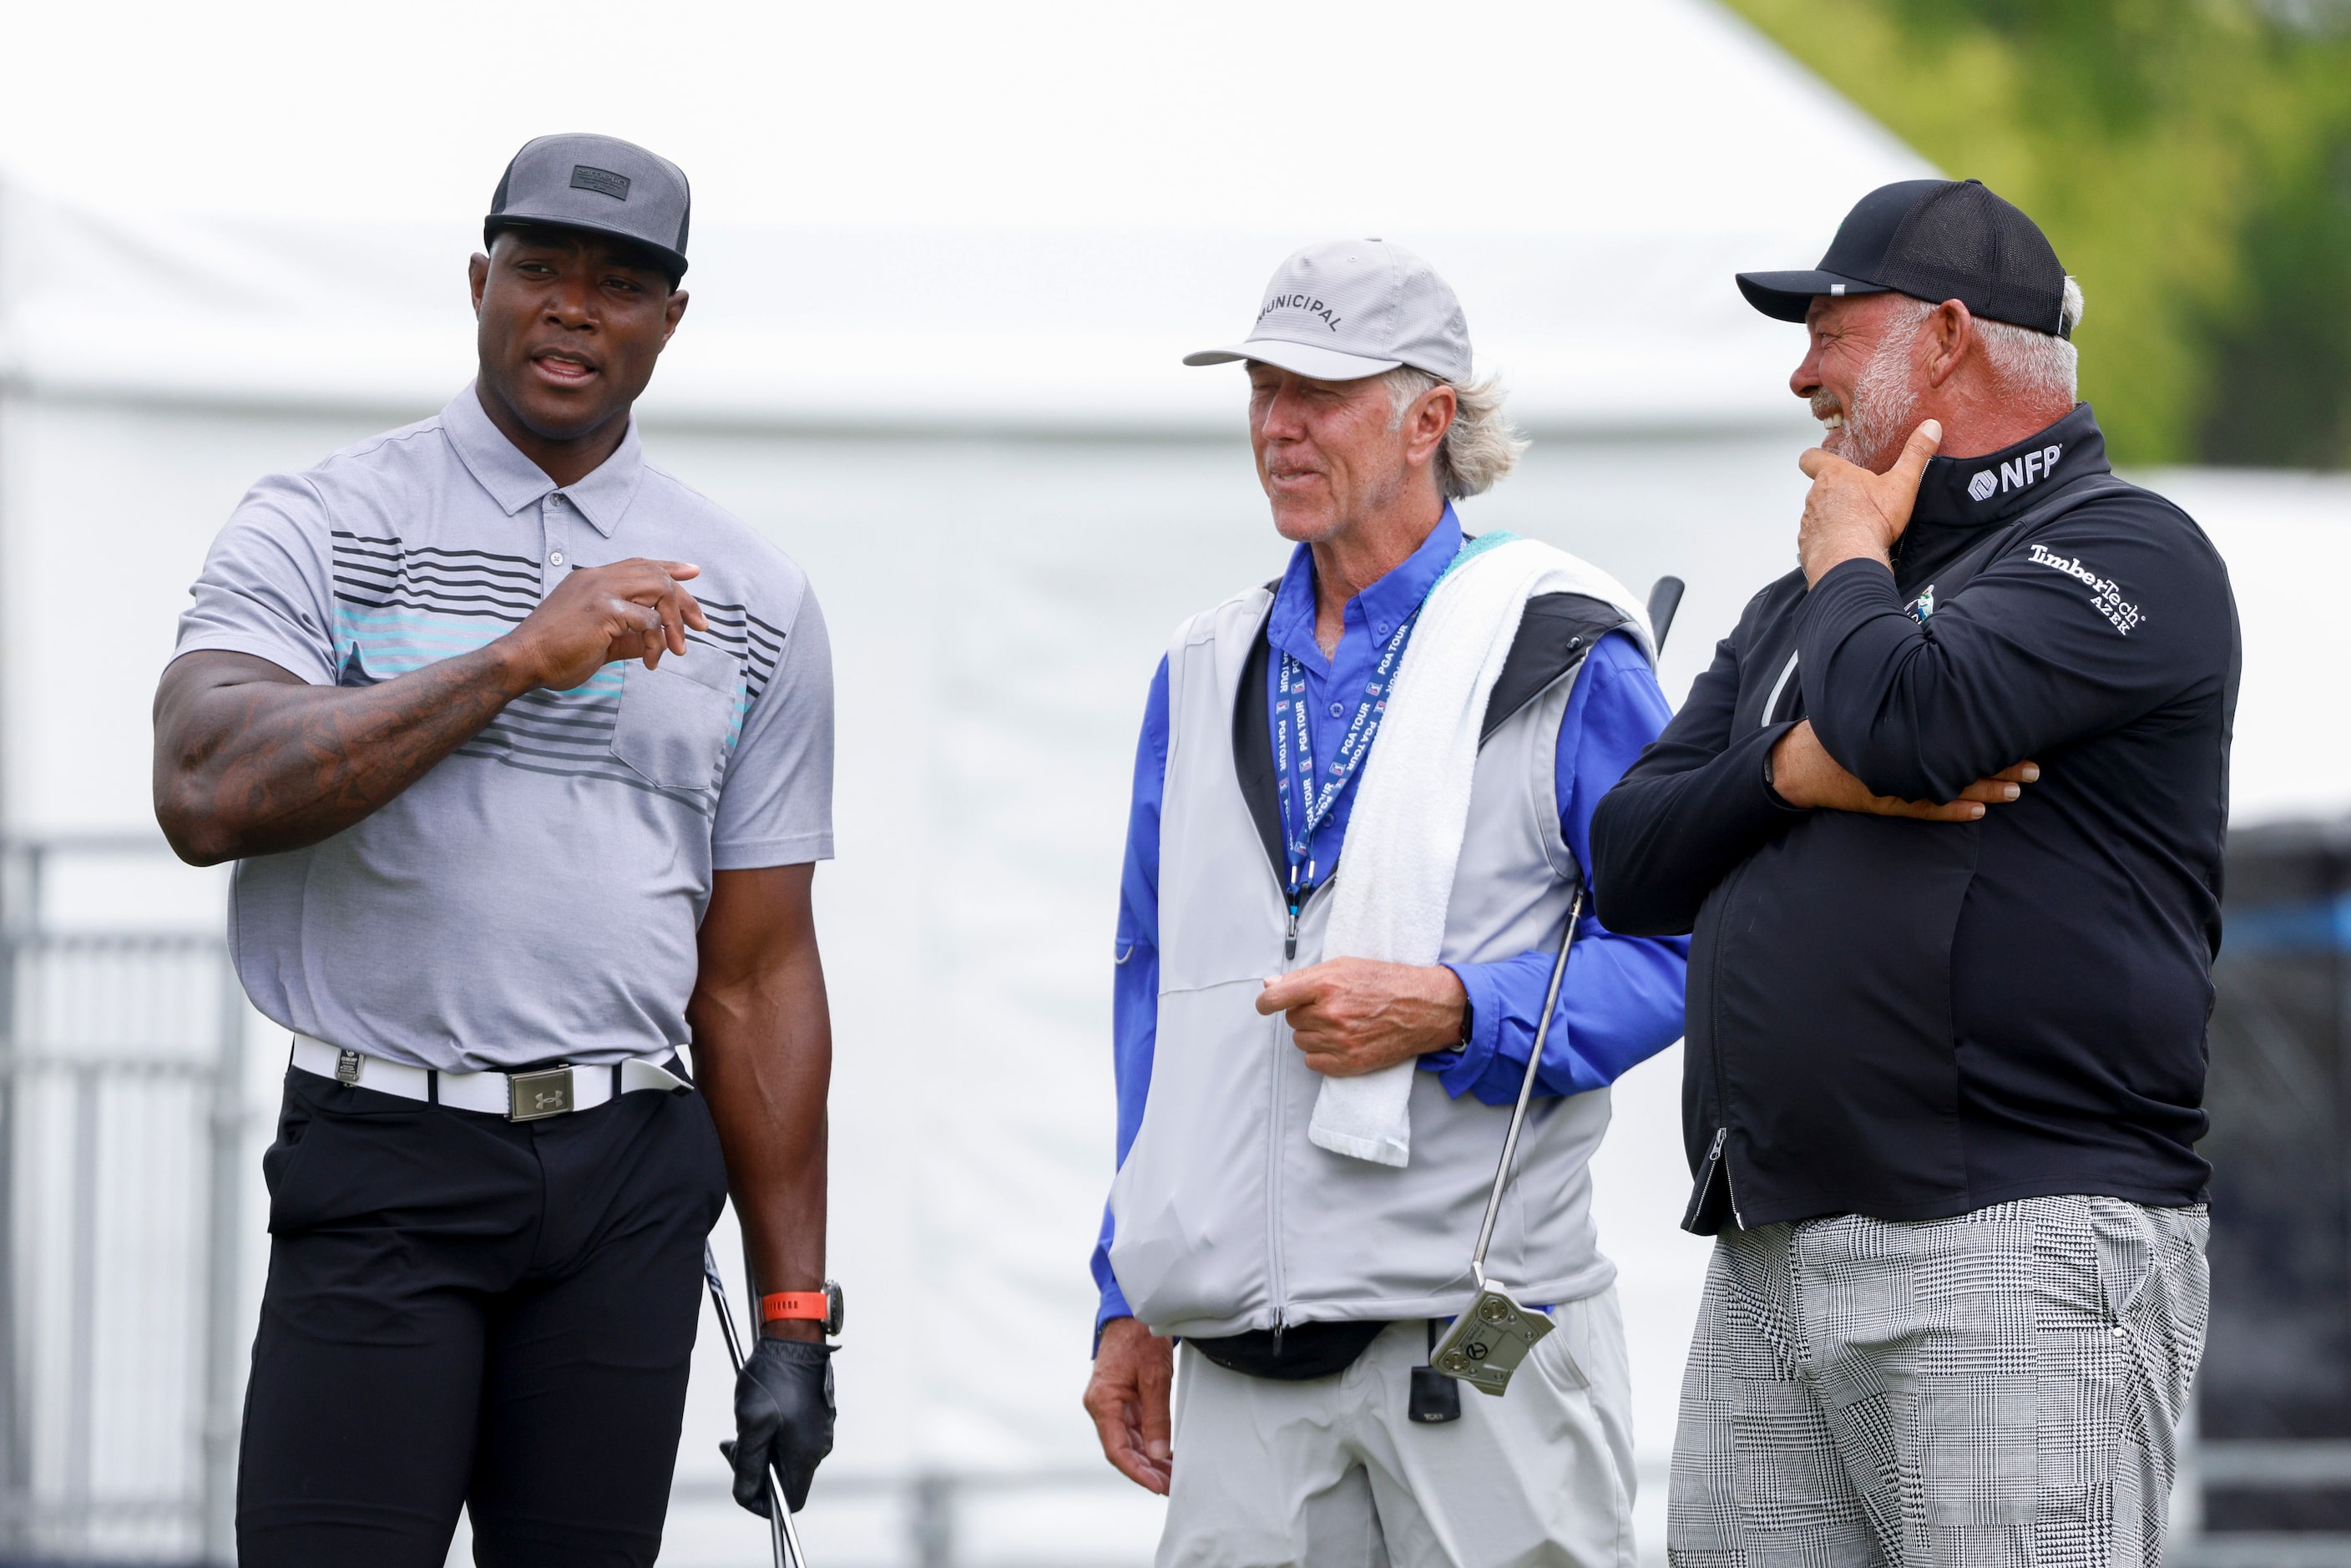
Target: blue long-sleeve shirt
{"x":1622,"y":1000}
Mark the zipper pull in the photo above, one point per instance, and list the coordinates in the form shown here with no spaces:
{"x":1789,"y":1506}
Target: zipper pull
{"x":1711,"y":1172}
{"x":1289,"y":942}
{"x":1714,"y":1158}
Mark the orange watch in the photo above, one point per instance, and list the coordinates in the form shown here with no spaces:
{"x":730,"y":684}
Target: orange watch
{"x":823,"y":1306}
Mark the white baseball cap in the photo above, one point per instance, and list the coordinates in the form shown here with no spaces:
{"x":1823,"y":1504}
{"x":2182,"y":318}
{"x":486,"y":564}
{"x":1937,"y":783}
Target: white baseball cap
{"x":1354,"y":307}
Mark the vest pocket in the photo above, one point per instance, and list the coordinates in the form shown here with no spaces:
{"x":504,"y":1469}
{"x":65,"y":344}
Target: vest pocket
{"x":672,"y":726}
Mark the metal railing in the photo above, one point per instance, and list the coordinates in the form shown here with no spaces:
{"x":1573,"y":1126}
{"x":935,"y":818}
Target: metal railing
{"x":930,"y":1502}
{"x":122,"y":1117}
{"x":126,"y":1136}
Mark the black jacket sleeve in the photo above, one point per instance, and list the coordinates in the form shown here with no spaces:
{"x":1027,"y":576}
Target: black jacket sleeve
{"x":2090,"y":623}
{"x":1690,"y":810}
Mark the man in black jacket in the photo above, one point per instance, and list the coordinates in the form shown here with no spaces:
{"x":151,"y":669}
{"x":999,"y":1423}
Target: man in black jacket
{"x":1945,"y":818}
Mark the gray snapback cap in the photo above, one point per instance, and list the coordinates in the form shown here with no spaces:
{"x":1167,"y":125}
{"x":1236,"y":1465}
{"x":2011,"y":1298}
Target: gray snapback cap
{"x":1354,"y":307}
{"x":600,"y":184}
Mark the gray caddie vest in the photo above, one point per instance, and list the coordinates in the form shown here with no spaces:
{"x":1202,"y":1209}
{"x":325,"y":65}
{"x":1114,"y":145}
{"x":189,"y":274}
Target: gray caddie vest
{"x":1227,"y":1218}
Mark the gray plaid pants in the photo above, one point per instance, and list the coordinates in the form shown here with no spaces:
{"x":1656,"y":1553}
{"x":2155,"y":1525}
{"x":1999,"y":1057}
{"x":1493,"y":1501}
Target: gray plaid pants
{"x":1997,"y":1388}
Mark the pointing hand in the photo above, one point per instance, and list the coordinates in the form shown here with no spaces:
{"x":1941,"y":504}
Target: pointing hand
{"x":630,"y":610}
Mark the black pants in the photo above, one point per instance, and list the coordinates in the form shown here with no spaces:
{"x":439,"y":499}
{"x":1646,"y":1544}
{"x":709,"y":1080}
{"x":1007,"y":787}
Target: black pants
{"x":466,"y":1309}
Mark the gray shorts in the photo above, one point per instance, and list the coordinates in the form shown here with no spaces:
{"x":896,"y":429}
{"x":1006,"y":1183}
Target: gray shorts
{"x":1997,"y":1388}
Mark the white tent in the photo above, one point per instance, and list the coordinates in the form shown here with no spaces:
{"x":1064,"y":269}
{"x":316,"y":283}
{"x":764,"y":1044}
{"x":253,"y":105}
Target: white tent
{"x":945,"y":266}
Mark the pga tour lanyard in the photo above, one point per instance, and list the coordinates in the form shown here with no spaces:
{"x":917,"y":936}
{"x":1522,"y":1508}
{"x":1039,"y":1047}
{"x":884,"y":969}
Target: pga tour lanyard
{"x":1306,"y":796}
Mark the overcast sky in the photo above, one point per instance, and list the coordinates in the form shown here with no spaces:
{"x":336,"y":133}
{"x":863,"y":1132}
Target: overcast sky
{"x":1505,"y":114}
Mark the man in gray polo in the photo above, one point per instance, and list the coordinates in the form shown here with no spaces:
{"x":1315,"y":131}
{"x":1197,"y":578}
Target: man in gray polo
{"x":517,"y":814}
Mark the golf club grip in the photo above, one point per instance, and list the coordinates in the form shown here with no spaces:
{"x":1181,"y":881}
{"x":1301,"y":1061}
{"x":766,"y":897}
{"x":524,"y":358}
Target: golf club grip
{"x":1664,"y":598}
{"x":781,"y":1537}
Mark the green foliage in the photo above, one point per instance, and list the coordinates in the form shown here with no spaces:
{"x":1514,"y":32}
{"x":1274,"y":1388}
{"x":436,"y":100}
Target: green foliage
{"x":2190,"y":159}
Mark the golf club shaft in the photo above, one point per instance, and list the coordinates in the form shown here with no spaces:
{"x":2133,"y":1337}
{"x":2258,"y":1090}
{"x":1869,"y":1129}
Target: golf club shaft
{"x":1526,"y":1094}
{"x":782,"y":1535}
{"x":1664,"y":601}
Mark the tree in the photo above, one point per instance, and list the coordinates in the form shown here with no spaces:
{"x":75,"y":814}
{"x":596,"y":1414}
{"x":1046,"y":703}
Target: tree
{"x":2190,"y":160}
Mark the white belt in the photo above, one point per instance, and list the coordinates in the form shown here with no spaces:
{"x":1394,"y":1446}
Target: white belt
{"x":516,"y":1096}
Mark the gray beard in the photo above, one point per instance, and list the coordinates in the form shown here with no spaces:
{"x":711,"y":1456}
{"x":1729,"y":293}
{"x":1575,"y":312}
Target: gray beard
{"x":1878,"y":420}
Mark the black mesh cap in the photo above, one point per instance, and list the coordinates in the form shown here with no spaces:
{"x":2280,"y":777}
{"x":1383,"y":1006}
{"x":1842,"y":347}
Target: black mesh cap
{"x":1934,"y":240}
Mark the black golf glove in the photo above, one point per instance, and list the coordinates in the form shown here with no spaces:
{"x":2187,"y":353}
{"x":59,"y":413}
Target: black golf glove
{"x":783,"y":1418}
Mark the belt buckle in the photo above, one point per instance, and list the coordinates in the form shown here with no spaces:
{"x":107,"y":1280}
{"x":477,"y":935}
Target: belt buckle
{"x":533,"y":1095}
{"x":347,"y":1067}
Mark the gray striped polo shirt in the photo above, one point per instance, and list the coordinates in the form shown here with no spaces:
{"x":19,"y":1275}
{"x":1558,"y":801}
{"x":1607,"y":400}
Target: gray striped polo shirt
{"x":537,"y":894}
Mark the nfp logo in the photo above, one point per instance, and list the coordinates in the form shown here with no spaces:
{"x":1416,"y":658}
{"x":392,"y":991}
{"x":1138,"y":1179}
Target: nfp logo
{"x":2015,"y":474}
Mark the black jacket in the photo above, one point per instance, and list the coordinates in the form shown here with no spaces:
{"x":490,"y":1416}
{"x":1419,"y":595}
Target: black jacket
{"x":1912,"y":1020}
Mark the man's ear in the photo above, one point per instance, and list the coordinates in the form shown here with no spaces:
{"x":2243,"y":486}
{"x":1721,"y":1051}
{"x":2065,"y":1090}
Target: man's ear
{"x":1432,"y":417}
{"x":1953,"y":326}
{"x":673,"y":313}
{"x":477,"y":277}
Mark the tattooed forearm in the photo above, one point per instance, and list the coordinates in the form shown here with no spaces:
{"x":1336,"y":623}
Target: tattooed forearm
{"x":249,"y":760}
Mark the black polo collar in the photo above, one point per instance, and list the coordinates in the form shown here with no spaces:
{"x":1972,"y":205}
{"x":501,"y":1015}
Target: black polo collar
{"x":1966,"y":492}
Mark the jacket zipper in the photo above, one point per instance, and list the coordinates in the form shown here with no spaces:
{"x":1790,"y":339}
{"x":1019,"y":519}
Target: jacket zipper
{"x":1707,"y":1172}
{"x":1275,"y":1285}
{"x":1717,"y":1156}
{"x":1715,"y":1165}
{"x":1277,"y":1282}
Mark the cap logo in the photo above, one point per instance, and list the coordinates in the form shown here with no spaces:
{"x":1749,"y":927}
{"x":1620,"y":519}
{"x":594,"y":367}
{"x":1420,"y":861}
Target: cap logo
{"x":1312,"y":306}
{"x":1982,"y":486}
{"x":603,"y":182}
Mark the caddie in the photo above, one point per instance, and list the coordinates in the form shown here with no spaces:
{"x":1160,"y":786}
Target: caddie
{"x":1362,"y":799}
{"x":524,"y":751}
{"x":1946,"y":816}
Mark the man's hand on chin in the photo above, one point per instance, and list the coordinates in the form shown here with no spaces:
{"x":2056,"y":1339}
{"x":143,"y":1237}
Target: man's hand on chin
{"x":1353,"y":1016}
{"x":1852,"y":514}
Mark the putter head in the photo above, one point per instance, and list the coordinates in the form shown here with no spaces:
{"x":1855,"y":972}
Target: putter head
{"x":1489,"y":1340}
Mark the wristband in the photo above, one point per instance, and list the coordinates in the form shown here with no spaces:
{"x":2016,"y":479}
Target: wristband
{"x":804,"y":1306}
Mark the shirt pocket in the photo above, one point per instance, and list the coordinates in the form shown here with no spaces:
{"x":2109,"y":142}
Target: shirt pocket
{"x":673,"y":721}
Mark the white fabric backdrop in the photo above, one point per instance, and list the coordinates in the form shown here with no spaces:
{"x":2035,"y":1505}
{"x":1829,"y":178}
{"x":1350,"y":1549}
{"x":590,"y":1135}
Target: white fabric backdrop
{"x":998,"y":605}
{"x":951,"y":391}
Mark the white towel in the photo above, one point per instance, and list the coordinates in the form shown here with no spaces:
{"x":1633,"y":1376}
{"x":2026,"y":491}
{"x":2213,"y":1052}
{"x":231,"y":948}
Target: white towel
{"x":1412,"y":802}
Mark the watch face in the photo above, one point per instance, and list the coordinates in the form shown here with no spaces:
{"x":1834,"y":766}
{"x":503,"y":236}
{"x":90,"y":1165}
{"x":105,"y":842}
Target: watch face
{"x":835,"y":1310}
